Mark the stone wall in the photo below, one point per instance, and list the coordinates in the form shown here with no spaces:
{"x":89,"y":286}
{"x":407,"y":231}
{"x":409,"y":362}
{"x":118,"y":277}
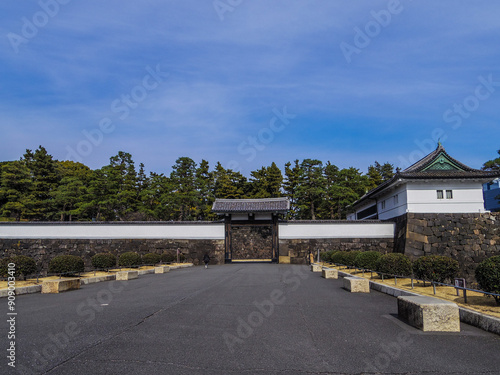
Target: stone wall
{"x":252,"y":242}
{"x":468,"y":238}
{"x":43,"y":250}
{"x":298,"y":249}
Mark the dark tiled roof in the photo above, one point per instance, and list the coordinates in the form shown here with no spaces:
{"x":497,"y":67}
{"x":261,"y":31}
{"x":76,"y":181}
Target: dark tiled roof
{"x":418,"y":171}
{"x":429,"y":159}
{"x":264,"y":205}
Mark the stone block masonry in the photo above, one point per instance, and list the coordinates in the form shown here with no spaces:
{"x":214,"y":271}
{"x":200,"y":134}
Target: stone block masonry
{"x":298,"y":249}
{"x":468,"y":238}
{"x":43,"y":250}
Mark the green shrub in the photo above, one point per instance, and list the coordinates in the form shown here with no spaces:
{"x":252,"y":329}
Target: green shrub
{"x":4,"y":269}
{"x":339,"y":257}
{"x":168,"y":258}
{"x":394,"y":264}
{"x":367,"y":260}
{"x":129,"y":259}
{"x":24,"y":266}
{"x":151,"y":258}
{"x":436,"y":268}
{"x":350,"y":257}
{"x":66,"y":264}
{"x":488,"y":276}
{"x":327,"y":256}
{"x":104,"y":261}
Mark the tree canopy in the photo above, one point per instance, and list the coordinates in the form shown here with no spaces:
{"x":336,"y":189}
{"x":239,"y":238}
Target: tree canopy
{"x":38,"y":187}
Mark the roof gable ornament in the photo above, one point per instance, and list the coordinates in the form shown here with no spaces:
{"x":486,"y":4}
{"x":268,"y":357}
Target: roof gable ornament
{"x":443,"y":163}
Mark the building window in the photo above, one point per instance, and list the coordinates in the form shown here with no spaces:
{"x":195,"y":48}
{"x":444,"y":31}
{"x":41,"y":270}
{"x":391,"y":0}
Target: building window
{"x":396,"y":199}
{"x":382,"y":205}
{"x":440,"y":194}
{"x":449,"y":194}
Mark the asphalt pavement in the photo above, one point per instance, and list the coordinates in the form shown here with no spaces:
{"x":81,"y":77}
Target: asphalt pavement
{"x":232,"y":319}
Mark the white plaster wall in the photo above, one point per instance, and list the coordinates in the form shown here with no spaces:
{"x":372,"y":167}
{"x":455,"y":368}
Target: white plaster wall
{"x":336,"y":230}
{"x":393,"y":209}
{"x":114,"y":231}
{"x":467,"y":197}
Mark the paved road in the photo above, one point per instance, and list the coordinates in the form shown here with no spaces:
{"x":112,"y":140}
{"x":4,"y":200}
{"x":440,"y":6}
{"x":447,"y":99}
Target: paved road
{"x":232,"y":319}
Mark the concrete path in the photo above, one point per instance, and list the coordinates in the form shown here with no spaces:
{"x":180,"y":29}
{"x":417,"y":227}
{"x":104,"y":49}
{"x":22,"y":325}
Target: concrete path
{"x":233,"y":319}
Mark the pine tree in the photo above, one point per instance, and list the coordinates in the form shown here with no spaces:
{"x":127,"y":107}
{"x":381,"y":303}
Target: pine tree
{"x":311,"y":188}
{"x":290,"y":187}
{"x":205,"y":184}
{"x":72,"y":190}
{"x":184,"y":194}
{"x":40,"y":204}
{"x":493,"y":164}
{"x":15,"y":187}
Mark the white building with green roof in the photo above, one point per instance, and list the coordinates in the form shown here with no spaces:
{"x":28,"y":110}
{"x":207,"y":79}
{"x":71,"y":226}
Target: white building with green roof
{"x":437,"y":183}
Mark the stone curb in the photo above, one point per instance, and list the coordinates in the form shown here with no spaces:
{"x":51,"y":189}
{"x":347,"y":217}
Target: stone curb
{"x":22,"y":290}
{"x":90,"y":280}
{"x":97,"y":279}
{"x":471,"y":317}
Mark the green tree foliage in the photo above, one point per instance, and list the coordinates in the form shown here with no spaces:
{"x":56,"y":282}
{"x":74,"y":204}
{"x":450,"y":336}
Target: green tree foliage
{"x":492,"y":165}
{"x":488,"y":276}
{"x":266,"y":182}
{"x":15,"y":187}
{"x":311,"y":189}
{"x":291,"y":185}
{"x":40,"y":203}
{"x":37,"y":187}
{"x":183,"y":195}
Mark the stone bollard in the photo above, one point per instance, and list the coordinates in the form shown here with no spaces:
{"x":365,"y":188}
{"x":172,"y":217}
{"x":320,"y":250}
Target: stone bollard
{"x":330,"y":273}
{"x":357,"y":285}
{"x":162,"y":269}
{"x":316,"y":267}
{"x":60,"y":285}
{"x":429,"y":314}
{"x":127,"y":275}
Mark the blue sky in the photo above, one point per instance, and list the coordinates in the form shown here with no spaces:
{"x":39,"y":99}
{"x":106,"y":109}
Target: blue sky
{"x":250,"y":82}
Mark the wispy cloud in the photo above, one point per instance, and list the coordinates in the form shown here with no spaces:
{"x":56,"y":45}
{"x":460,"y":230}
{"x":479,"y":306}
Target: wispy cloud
{"x":225,"y":78}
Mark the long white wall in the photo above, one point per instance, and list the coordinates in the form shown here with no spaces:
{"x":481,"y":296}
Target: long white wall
{"x":348,"y":229}
{"x":113,"y":231}
{"x":290,"y":230}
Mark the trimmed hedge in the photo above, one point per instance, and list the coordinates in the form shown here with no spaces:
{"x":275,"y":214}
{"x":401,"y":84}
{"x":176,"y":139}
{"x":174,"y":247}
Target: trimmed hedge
{"x":488,"y":276}
{"x":436,"y":268}
{"x":68,"y":264}
{"x":350,"y":257}
{"x":327,"y":256}
{"x":168,"y":258}
{"x":24,"y":266}
{"x":151,"y":258}
{"x":339,"y":257}
{"x":104,"y":261}
{"x":367,"y":260}
{"x":394,"y":264}
{"x":129,"y":259}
